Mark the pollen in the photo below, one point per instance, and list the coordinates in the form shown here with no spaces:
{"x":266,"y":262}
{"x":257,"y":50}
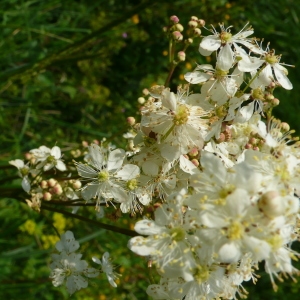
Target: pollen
{"x":225,"y":37}
{"x":202,"y":274}
{"x":103,"y":176}
{"x":177,"y":234}
{"x":181,"y":116}
{"x":271,"y":59}
{"x":132,"y":184}
{"x":235,"y":231}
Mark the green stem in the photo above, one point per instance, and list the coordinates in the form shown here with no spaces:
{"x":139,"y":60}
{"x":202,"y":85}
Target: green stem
{"x":101,"y":225}
{"x":171,"y":71}
{"x":250,"y":82}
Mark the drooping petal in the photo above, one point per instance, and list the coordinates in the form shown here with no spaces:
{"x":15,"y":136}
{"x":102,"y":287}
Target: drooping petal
{"x":225,"y":58}
{"x":280,"y":74}
{"x":210,"y":43}
{"x":55,"y":152}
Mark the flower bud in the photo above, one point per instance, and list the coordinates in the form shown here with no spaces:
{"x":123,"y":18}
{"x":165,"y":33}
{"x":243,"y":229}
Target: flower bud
{"x":181,"y":55}
{"x":275,"y":102}
{"x":197,"y":31}
{"x":193,"y":24}
{"x":271,"y":204}
{"x":201,"y":23}
{"x":193,"y":18}
{"x":145,"y":92}
{"x":85,"y":144}
{"x":195,"y":162}
{"x":43,"y":184}
{"x":221,"y":138}
{"x":131,"y":121}
{"x":179,"y":27}
{"x":47,"y":196}
{"x":52,"y":182}
{"x":76,"y":184}
{"x":57,"y":190}
{"x":194,"y":152}
{"x":141,"y":100}
{"x":269,"y":97}
{"x":177,"y":36}
{"x":285,"y":126}
{"x":174,"y":19}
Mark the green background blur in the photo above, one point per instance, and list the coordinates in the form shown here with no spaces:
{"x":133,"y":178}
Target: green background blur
{"x":72,"y":71}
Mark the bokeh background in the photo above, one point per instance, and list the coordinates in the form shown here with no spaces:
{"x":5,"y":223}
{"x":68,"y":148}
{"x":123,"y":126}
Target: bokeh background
{"x":72,"y":71}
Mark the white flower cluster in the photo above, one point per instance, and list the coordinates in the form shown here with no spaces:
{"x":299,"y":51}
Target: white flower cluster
{"x":68,"y":266}
{"x":221,"y":174}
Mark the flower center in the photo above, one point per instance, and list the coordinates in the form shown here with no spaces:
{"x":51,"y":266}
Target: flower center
{"x":271,"y":59}
{"x":235,"y":231}
{"x":103,"y":176}
{"x":202,"y":274}
{"x":132,"y":184}
{"x":227,"y":190}
{"x":24,"y":171}
{"x":51,"y":159}
{"x":225,"y":37}
{"x":182,"y":115}
{"x":177,"y":234}
{"x":220,"y":73}
{"x":258,"y":94}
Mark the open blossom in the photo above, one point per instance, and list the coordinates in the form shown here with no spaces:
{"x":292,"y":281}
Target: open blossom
{"x":107,"y":268}
{"x":23,"y":172}
{"x":48,"y":158}
{"x":105,"y":174}
{"x":67,"y":266}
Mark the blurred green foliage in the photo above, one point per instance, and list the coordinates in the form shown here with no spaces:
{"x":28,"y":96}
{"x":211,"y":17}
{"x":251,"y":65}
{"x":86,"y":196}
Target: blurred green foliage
{"x":72,"y":71}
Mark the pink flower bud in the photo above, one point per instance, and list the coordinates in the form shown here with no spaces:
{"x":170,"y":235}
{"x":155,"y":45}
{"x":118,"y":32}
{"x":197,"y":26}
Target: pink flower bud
{"x":285,"y":126}
{"x":195,"y":162}
{"x":201,"y":23}
{"x":194,"y":152}
{"x":131,"y":121}
{"x":85,"y":144}
{"x":57,"y":190}
{"x":181,"y":55}
{"x":177,"y":36}
{"x":47,"y":196}
{"x":174,"y":19}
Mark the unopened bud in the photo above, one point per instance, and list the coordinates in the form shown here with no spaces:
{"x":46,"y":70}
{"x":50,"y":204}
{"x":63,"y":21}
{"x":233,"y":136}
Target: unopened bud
{"x":269,"y":97}
{"x":193,"y":24}
{"x":85,"y":144}
{"x":177,"y":36}
{"x":141,"y":100}
{"x":189,"y":41}
{"x":181,"y":55}
{"x":275,"y":102}
{"x":193,"y":18}
{"x":44,"y":184}
{"x":179,"y":27}
{"x":197,"y":31}
{"x":76,"y":184}
{"x":253,"y":141}
{"x":47,"y":196}
{"x":248,"y":146}
{"x":201,"y":23}
{"x":285,"y":126}
{"x":57,"y":190}
{"x":52,"y":182}
{"x":271,"y":204}
{"x":194,"y":152}
{"x":131,"y":121}
{"x":145,"y":92}
{"x":195,"y":162}
{"x":174,"y":19}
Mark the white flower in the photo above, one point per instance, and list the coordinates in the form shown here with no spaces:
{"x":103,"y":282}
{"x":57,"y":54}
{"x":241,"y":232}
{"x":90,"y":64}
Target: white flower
{"x":23,"y":172}
{"x":68,"y":267}
{"x":225,"y":39}
{"x":107,"y":268}
{"x":48,"y":158}
{"x":105,"y":174}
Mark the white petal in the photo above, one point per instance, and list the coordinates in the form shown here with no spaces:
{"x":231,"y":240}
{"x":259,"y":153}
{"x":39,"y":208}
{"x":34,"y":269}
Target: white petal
{"x":169,"y":100}
{"x":259,"y":249}
{"x":60,"y":166}
{"x":96,"y":156}
{"x":115,"y":159}
{"x":26,"y":184}
{"x":225,"y":58}
{"x":128,"y":172}
{"x":18,"y":163}
{"x":90,"y":191}
{"x":281,"y":77}
{"x":150,"y":168}
{"x":187,"y":166}
{"x":139,"y":246}
{"x":55,"y":151}
{"x":210,"y":43}
{"x":196,"y":77}
{"x":148,"y":227}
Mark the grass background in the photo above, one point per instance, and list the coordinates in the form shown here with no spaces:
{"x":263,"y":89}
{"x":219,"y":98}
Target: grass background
{"x":72,"y":71}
